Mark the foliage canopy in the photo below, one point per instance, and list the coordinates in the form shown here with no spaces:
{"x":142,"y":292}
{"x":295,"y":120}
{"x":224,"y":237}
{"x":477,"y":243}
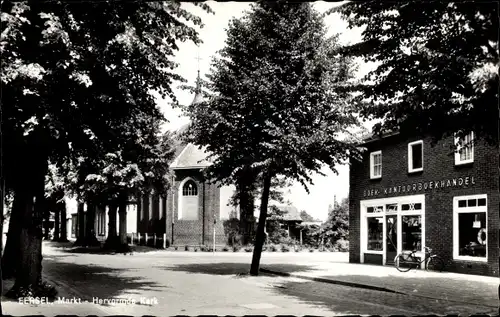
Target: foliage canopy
{"x":437,"y":65}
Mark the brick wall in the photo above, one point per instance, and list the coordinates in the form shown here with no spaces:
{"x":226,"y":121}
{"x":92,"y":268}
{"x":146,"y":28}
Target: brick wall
{"x":200,"y":231}
{"x":185,"y":232}
{"x":439,"y":164}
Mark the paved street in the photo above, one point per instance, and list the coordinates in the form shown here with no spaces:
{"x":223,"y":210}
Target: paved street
{"x":189,"y":283}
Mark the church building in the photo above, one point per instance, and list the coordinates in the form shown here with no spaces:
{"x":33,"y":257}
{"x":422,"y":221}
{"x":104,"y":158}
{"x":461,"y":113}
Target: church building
{"x":194,"y":210}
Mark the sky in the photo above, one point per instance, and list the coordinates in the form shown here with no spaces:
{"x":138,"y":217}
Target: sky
{"x":325,"y":188}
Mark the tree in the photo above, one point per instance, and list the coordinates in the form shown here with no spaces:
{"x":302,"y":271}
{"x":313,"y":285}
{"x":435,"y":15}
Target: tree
{"x":306,"y":217}
{"x":55,"y":191}
{"x":437,"y":66}
{"x":274,"y":105}
{"x":336,"y":227}
{"x":118,"y":176}
{"x":74,"y":83}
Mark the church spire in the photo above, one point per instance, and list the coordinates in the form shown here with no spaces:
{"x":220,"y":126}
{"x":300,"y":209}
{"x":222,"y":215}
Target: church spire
{"x":198,"y":97}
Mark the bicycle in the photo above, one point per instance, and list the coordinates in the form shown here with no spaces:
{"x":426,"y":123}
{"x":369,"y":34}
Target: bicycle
{"x":405,"y":261}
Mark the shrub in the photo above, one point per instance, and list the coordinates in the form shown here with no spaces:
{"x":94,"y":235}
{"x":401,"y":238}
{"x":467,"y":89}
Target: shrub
{"x":175,"y":248}
{"x":288,"y":241}
{"x":225,"y":249}
{"x":264,"y":248}
{"x":195,"y":249}
{"x":311,"y":250}
{"x":236,"y":248}
{"x":206,"y":248}
{"x":248,"y":249}
{"x":342,"y":245}
{"x":231,"y":230}
{"x":273,"y":248}
{"x":276,"y":234}
{"x":285,"y":248}
{"x":298,"y":248}
{"x":186,"y":248}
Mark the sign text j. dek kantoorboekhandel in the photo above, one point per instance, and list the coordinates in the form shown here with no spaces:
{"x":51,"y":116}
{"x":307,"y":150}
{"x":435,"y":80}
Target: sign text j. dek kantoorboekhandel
{"x":421,"y":186}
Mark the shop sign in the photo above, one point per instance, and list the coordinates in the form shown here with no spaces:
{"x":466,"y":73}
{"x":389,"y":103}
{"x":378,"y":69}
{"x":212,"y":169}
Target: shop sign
{"x":459,"y":182}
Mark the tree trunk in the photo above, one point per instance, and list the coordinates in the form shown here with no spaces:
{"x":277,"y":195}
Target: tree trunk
{"x":64,"y":223}
{"x":10,"y":258}
{"x":247,"y":205}
{"x":30,"y":248}
{"x":80,"y":231}
{"x":112,"y":241}
{"x":2,"y":218}
{"x":123,"y":223}
{"x":57,"y":217}
{"x":46,"y":225}
{"x":260,"y":237}
{"x":29,"y":271}
{"x":90,"y":237}
{"x":124,"y":247}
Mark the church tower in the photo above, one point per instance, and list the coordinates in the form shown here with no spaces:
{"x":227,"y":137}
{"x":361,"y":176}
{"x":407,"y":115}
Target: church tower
{"x":198,"y":96}
{"x":190,"y":214}
{"x":195,"y":212}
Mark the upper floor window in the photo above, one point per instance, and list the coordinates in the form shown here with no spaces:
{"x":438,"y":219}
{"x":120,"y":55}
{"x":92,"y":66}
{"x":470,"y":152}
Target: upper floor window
{"x":189,"y":189}
{"x":465,"y":149}
{"x":188,"y":201}
{"x":416,"y":156}
{"x":376,"y":164}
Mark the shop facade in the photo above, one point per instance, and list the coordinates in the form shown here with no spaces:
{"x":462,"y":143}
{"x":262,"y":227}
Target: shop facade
{"x":406,"y":194}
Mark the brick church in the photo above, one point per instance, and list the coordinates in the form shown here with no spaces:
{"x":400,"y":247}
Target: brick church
{"x":193,"y":209}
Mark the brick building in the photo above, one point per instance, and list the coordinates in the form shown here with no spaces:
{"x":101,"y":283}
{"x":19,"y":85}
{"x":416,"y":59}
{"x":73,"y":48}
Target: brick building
{"x":407,"y":193}
{"x":101,"y":220}
{"x":193,"y":208}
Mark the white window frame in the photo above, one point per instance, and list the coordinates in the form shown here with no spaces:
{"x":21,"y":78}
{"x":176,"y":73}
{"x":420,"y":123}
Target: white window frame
{"x":372,"y":161}
{"x":380,"y":214}
{"x":458,"y":161}
{"x":180,"y":196}
{"x":410,"y":157}
{"x":364,"y":204}
{"x":465,"y":210}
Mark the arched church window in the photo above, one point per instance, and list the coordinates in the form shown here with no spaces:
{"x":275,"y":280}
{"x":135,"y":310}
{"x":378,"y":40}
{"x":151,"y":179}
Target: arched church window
{"x":189,"y":189}
{"x":188,"y":200}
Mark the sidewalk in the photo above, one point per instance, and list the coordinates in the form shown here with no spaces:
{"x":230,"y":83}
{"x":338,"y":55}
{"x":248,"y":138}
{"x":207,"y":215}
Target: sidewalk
{"x":460,"y":288}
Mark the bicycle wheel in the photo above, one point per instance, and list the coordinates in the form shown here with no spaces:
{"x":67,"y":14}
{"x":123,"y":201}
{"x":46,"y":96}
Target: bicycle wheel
{"x":404,"y":262}
{"x":435,"y":263}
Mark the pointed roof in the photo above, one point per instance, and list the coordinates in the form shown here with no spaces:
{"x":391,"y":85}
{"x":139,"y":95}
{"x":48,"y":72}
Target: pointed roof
{"x":198,"y":96}
{"x":291,"y":213}
{"x":191,"y":157}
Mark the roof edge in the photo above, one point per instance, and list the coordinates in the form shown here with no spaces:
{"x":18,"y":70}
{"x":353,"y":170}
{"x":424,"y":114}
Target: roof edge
{"x":190,"y":167}
{"x":375,"y":138}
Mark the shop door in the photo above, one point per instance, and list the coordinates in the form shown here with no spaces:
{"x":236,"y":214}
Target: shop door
{"x":391,"y":241}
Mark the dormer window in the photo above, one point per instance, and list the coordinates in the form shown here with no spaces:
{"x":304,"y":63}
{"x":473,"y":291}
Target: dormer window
{"x":465,"y":149}
{"x":376,"y":164}
{"x":416,"y":156}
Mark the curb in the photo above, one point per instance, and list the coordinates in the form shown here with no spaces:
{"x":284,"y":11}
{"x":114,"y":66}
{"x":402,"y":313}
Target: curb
{"x":330,"y":281}
{"x":365,"y":286}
